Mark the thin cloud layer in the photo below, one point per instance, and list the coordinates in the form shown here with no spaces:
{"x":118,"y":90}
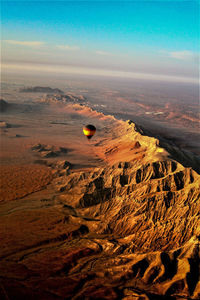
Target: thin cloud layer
{"x":67,"y":47}
{"x":99,"y":52}
{"x":182,"y":55}
{"x":25,"y":43}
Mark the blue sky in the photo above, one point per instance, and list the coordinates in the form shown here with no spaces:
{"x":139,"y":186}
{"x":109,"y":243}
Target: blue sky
{"x":144,"y":36}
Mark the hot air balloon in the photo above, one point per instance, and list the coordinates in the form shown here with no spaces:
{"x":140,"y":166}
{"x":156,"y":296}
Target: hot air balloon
{"x":89,"y":131}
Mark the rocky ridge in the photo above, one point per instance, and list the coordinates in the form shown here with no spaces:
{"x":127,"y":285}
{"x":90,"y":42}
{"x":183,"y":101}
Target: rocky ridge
{"x":144,"y":213}
{"x":61,"y":99}
{"x":128,"y":230}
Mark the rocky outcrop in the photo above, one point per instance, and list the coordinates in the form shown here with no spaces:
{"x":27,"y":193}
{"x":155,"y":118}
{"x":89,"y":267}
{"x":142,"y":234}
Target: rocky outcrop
{"x":41,"y":89}
{"x":3,"y":105}
{"x":62,"y":99}
{"x":153,"y":204}
{"x":4,"y":125}
{"x":48,"y":151}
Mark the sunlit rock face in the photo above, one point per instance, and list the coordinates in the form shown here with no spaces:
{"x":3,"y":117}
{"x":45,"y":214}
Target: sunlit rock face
{"x":149,"y":203}
{"x":142,"y":217}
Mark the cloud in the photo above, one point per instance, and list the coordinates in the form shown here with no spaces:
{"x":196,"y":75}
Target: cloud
{"x":180,"y":55}
{"x":67,"y":47}
{"x":25,"y":43}
{"x":183,"y":55}
{"x":99,"y":52}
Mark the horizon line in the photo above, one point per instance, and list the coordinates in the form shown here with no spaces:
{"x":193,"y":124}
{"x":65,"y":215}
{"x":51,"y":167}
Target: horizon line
{"x":70,"y":69}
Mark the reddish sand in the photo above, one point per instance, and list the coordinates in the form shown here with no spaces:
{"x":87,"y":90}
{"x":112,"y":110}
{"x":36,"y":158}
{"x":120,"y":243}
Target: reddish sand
{"x":19,"y":181}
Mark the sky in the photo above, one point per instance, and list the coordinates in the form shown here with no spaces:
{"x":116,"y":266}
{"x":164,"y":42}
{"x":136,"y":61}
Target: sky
{"x":136,"y":37}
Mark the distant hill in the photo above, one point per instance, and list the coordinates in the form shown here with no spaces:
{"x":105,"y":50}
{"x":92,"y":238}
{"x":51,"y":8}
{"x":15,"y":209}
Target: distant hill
{"x":3,"y":105}
{"x":40,"y":89}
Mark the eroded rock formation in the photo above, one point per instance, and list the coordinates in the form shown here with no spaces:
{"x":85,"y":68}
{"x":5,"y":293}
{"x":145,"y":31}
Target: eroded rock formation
{"x":128,"y":230}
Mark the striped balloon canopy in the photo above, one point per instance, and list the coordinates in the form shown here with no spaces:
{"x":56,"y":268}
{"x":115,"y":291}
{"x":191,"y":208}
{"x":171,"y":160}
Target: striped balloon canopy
{"x":89,"y":131}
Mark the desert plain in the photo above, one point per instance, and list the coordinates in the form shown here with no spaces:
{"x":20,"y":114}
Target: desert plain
{"x":114,"y":217}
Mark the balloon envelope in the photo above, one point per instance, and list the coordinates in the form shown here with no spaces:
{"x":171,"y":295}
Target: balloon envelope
{"x":89,"y":131}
